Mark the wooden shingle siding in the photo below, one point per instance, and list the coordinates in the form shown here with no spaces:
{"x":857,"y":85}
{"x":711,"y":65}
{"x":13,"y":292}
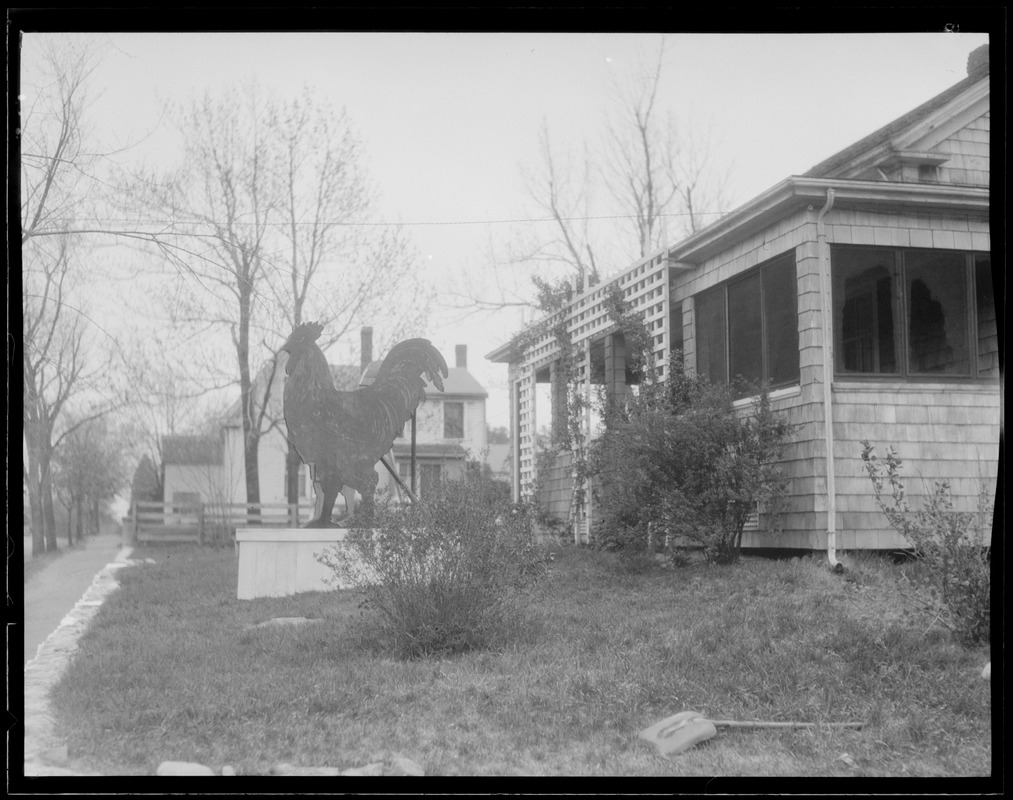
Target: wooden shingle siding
{"x":968,"y":149}
{"x":940,"y":432}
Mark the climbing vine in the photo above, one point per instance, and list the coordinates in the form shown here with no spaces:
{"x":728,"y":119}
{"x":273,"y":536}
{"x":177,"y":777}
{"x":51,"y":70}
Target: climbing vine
{"x":571,"y":437}
{"x":639,"y":342}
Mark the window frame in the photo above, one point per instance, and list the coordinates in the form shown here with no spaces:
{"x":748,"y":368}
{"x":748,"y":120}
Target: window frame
{"x":786,"y":258}
{"x":904,"y":373}
{"x":446,"y":405}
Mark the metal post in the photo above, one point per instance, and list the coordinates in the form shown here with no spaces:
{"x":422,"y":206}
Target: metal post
{"x":414,"y":486}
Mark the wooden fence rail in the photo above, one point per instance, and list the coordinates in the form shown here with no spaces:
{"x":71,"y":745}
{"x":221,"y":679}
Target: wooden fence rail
{"x":215,"y":522}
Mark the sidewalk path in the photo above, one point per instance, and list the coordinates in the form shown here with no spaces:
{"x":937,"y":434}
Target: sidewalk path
{"x":60,"y":601}
{"x":51,"y":593}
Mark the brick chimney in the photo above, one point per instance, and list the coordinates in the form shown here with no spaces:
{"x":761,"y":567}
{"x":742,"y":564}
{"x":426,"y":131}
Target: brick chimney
{"x":367,"y":347}
{"x":977,"y":61}
{"x":461,"y":352}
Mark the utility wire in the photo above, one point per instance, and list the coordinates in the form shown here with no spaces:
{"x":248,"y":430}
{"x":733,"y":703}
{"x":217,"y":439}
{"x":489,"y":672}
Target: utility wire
{"x":394,"y":224}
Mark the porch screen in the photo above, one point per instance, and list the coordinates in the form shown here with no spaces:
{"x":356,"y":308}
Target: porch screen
{"x":913,"y":313}
{"x":747,"y":328}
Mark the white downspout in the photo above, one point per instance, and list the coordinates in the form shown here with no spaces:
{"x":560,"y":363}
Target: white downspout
{"x":828,"y":374}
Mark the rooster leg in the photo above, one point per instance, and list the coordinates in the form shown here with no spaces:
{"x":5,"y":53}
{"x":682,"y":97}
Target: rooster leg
{"x":364,"y":481}
{"x":330,"y":484}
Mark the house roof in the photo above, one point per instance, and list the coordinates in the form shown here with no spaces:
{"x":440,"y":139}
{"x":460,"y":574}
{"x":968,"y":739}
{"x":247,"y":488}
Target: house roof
{"x":844,"y":160}
{"x":192,"y":450}
{"x":458,"y":383}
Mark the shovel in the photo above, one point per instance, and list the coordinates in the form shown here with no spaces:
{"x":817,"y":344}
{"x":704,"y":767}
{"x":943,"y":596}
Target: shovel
{"x":688,"y":728}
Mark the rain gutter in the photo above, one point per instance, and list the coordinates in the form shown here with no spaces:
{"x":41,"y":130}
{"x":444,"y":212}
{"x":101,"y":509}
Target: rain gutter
{"x":828,"y":370}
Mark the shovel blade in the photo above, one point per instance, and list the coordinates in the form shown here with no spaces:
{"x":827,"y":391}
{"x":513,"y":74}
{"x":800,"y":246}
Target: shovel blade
{"x":680,"y":732}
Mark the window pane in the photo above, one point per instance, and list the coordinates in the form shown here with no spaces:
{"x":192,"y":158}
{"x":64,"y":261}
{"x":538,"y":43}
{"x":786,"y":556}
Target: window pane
{"x":745,"y":342}
{"x":453,"y":420}
{"x":937,"y":313}
{"x":866,"y":307}
{"x":988,"y":334}
{"x":710,"y":331}
{"x":780,"y":311}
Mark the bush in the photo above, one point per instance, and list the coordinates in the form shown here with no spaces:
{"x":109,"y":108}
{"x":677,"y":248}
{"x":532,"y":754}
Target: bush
{"x":678,"y":458}
{"x":954,"y":547}
{"x":448,"y":570}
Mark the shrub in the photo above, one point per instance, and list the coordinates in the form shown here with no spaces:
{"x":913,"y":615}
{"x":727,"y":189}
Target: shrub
{"x":679,"y":458}
{"x":954,"y":547}
{"x":448,"y":570}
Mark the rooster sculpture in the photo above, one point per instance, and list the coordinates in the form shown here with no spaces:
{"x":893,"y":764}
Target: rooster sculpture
{"x":344,"y":434}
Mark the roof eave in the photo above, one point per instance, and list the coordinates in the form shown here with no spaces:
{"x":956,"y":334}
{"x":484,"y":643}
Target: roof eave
{"x":795,"y":192}
{"x":802,"y":192}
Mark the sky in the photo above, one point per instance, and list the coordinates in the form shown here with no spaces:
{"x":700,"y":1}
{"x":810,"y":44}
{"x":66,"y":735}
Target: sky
{"x":449,"y":120}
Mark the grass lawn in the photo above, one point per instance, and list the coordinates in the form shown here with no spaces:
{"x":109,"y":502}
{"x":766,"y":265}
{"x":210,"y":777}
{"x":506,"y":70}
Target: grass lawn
{"x":170,"y":671}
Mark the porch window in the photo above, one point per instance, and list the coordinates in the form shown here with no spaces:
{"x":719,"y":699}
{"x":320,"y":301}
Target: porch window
{"x":747,"y":328}
{"x":909,"y":313}
{"x":453,"y":420}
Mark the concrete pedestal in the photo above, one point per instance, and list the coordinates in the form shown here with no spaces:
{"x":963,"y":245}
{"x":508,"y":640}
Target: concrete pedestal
{"x":274,"y":562}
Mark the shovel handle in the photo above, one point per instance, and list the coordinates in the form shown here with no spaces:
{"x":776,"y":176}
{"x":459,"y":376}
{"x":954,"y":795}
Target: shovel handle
{"x":728,"y":723}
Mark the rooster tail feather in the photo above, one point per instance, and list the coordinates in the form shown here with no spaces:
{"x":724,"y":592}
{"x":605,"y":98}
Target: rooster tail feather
{"x":414,"y":357}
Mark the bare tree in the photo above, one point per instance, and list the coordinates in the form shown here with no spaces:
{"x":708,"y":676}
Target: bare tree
{"x":225,"y":190}
{"x":169,"y":388}
{"x":89,"y":469}
{"x":650,"y":178}
{"x":55,"y":162}
{"x":656,"y":169}
{"x":271,"y":220}
{"x":336,"y":268}
{"x":562,"y":192}
{"x":56,"y":374}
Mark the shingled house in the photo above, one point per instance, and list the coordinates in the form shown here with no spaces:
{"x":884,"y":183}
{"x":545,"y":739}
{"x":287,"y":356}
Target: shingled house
{"x":862,"y":290}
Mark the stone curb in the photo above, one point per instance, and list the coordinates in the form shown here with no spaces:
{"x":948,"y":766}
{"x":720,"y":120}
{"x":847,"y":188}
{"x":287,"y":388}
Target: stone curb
{"x":50,"y":661}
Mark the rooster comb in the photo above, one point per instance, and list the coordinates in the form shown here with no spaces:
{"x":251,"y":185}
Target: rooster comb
{"x":311,"y":330}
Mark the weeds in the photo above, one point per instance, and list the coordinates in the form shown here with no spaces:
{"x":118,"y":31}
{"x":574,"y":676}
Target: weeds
{"x":446,"y":571}
{"x":953,"y":547}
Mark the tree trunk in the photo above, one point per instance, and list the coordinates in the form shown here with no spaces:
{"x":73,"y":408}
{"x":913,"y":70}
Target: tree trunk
{"x":79,"y":503}
{"x":48,"y":511}
{"x":35,"y":503}
{"x":251,"y":437}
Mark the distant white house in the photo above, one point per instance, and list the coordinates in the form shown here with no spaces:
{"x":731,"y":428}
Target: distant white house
{"x":450,"y":429}
{"x":195,"y":471}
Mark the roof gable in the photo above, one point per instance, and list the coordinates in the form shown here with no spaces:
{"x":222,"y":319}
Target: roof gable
{"x":458,"y":383}
{"x":915,"y":136}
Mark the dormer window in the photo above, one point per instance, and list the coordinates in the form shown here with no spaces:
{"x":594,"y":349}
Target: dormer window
{"x":911,"y":166}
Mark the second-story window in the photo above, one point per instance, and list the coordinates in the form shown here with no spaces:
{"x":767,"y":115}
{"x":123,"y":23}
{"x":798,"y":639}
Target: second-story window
{"x":453,"y":420}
